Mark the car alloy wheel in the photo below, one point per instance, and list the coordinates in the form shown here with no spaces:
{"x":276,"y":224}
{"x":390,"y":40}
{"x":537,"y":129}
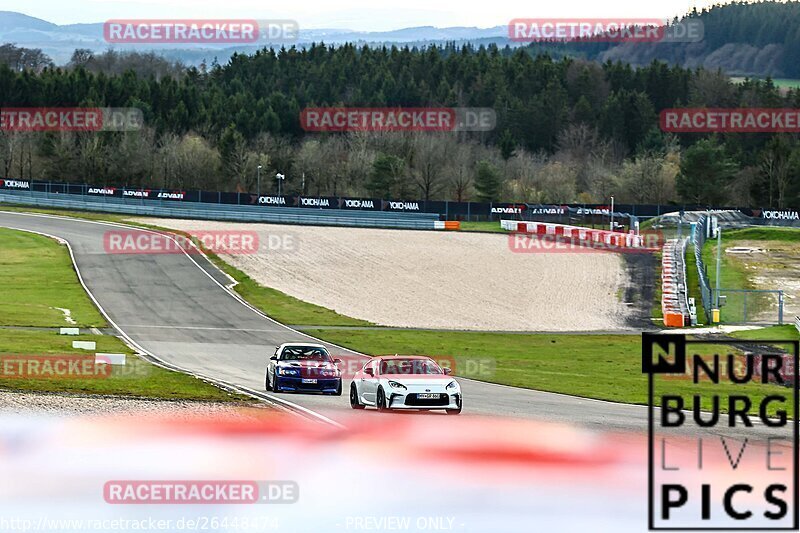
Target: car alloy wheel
{"x":381,"y":400}
{"x":354,"y":403}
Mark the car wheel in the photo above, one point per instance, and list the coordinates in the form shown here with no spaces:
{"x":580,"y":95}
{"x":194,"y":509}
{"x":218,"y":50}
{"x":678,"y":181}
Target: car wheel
{"x":381,"y":400}
{"x":266,"y":382}
{"x":456,"y":411}
{"x":275,"y":387}
{"x":338,"y":389}
{"x":354,"y":403}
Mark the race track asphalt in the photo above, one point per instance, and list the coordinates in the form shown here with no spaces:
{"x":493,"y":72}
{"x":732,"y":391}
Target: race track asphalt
{"x":177,"y":308}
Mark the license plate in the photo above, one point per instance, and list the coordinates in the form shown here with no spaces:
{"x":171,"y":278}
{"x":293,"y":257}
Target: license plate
{"x":428,"y":396}
{"x":309,"y":380}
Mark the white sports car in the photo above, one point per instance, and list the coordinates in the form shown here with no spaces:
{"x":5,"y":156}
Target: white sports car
{"x":405,"y":382}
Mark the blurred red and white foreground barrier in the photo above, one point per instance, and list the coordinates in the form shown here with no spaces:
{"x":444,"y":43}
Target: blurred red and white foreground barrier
{"x":382,"y":472}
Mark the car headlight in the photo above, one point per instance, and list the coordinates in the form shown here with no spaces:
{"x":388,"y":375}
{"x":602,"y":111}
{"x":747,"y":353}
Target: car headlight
{"x":288,"y":371}
{"x":396,"y":385}
{"x":452,"y":385}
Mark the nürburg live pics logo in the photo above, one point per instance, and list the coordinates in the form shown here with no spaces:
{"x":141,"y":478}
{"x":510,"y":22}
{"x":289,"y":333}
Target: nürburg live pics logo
{"x":723,"y":434}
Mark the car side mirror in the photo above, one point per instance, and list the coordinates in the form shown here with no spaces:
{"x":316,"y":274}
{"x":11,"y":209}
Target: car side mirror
{"x":337,"y":361}
{"x":447,"y":371}
{"x":273,"y":358}
{"x":369,"y":371}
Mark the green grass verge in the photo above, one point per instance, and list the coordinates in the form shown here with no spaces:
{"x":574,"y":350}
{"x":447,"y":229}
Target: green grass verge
{"x":137,"y":378}
{"x":86,"y":215}
{"x":773,"y":333}
{"x":486,"y":227}
{"x":606,"y":367}
{"x":43,"y":280}
{"x":693,"y":283}
{"x":734,"y":275}
{"x":656,"y":312}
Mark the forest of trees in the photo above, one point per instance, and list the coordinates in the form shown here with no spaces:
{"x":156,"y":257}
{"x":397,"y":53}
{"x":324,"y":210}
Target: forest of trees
{"x":567,"y":129}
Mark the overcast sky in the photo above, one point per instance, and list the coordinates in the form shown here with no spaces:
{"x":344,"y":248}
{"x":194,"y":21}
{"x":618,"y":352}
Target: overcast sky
{"x":367,"y":15}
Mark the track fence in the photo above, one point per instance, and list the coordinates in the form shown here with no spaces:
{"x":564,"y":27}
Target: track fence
{"x":699,"y":237}
{"x":750,"y":306}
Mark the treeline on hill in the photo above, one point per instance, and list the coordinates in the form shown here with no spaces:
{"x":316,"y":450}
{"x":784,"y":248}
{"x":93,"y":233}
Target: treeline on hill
{"x":742,"y":38}
{"x":567,"y":129}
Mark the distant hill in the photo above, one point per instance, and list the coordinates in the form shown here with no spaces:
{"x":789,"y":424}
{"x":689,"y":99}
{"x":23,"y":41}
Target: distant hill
{"x":60,"y":41}
{"x":12,"y":21}
{"x":743,"y":39}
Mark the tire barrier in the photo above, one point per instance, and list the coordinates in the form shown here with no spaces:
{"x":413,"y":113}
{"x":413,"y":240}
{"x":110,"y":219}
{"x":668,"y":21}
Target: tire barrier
{"x":674,"y":301}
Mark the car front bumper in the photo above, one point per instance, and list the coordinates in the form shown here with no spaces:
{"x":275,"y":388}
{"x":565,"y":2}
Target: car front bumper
{"x":298,"y":384}
{"x":409,"y":400}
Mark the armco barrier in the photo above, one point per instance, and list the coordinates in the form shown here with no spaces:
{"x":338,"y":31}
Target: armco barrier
{"x":674,"y":302}
{"x":278,"y":215}
{"x":699,"y":236}
{"x":614,"y":239}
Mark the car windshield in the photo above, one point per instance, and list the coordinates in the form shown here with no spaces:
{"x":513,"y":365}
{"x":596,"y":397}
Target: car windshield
{"x":305,"y":353}
{"x":409,"y":366}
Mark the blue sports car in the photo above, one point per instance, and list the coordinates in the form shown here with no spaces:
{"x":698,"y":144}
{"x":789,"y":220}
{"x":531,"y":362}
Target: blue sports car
{"x":300,"y":367}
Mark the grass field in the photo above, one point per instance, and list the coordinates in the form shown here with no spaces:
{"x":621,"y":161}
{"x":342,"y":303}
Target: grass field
{"x":41,"y":286}
{"x":44,"y":279}
{"x":734,"y":270}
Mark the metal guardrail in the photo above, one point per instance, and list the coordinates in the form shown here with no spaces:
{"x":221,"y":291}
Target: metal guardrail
{"x":277,"y":215}
{"x":682,"y":281}
{"x":698,"y":240}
